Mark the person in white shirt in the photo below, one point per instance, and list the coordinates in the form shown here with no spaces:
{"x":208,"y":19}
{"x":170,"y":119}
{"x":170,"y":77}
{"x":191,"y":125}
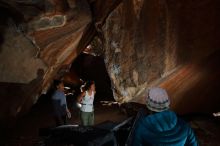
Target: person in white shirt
{"x":86,"y":99}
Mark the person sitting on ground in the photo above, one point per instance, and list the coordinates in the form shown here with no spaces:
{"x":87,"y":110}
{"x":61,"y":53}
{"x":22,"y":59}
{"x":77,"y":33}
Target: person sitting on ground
{"x":86,"y":98}
{"x":162,"y":126}
{"x":61,"y":110}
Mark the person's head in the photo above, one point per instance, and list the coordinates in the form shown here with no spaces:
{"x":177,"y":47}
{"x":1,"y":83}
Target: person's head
{"x":157,"y":99}
{"x":59,"y":85}
{"x":90,"y":85}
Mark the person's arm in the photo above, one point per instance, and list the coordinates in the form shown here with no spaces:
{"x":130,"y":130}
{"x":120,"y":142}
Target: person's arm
{"x":137,"y":135}
{"x":94,"y":92}
{"x":68,"y":113}
{"x":80,"y":97}
{"x":67,"y":110}
{"x":79,"y":100}
{"x":191,"y":139}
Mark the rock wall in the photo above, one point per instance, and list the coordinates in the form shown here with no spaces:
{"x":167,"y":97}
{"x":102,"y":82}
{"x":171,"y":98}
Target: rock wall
{"x":168,"y":43}
{"x":164,"y":43}
{"x":38,"y":42}
{"x":37,"y":39}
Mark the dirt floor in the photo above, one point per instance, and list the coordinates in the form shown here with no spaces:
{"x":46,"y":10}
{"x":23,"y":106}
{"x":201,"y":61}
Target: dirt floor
{"x":26,"y":130}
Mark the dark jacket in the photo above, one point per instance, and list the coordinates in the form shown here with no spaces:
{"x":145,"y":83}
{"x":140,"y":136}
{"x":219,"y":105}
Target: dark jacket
{"x":59,"y":103}
{"x":163,"y":128}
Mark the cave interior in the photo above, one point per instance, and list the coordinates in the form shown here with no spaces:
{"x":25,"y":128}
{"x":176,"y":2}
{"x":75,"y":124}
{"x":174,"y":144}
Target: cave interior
{"x":134,"y":45}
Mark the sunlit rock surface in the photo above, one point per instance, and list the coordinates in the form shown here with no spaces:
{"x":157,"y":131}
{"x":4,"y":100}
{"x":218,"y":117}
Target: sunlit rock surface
{"x":173,"y":44}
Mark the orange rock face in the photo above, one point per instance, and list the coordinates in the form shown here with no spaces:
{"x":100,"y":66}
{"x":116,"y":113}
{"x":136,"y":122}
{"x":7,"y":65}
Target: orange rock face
{"x":37,"y":39}
{"x":172,"y":44}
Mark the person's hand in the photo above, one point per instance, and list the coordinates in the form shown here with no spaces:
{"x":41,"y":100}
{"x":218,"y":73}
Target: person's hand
{"x":79,"y":105}
{"x":68,"y":114}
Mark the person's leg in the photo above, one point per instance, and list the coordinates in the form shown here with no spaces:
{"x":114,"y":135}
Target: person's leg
{"x":58,"y":120}
{"x":64,"y":119}
{"x":91,"y":118}
{"x":84,"y":118}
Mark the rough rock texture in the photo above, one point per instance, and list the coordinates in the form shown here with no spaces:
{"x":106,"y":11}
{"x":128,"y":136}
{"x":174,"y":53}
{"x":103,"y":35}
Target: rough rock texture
{"x":37,"y":39}
{"x":166,"y":43}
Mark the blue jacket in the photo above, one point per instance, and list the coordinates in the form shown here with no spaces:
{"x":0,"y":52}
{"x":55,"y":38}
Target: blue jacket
{"x":163,"y":129}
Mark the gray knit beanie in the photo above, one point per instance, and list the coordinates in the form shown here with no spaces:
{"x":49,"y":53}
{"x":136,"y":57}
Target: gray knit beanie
{"x":157,"y":99}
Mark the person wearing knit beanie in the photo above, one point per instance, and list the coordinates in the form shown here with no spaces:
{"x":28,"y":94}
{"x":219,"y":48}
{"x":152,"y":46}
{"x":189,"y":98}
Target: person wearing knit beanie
{"x":157,"y":99}
{"x":162,"y":127}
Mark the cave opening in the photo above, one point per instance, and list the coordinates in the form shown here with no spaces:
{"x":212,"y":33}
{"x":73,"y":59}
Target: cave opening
{"x":92,"y":67}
